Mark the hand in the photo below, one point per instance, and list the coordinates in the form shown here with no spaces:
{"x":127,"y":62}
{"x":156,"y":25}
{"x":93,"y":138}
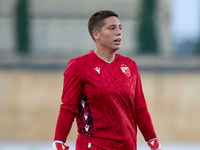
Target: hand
{"x":154,"y":144}
{"x":59,"y":145}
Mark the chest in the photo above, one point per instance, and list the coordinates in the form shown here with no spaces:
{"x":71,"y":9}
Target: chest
{"x":115,"y":79}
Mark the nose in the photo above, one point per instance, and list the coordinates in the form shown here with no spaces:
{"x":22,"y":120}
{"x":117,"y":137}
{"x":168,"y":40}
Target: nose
{"x":118,"y":32}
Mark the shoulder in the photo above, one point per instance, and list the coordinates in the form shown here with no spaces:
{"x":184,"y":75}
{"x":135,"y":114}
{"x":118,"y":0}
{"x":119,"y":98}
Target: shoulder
{"x":81,"y":60}
{"x":128,"y":62}
{"x":126,"y":59}
{"x":77,"y":64}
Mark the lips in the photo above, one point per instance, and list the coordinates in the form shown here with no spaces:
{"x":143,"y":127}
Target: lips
{"x":117,"y":40}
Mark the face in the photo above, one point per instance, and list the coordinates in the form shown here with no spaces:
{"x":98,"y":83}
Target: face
{"x":109,"y":38}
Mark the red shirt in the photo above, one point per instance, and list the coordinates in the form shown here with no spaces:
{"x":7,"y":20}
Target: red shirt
{"x":107,"y":101}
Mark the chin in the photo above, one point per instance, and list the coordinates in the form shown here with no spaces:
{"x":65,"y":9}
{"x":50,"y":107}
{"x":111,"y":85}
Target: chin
{"x":116,"y":49}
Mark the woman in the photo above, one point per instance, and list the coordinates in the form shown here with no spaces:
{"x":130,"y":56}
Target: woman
{"x":103,"y":91}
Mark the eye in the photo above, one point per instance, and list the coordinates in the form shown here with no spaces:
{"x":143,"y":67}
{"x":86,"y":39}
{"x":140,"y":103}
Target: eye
{"x":112,"y":28}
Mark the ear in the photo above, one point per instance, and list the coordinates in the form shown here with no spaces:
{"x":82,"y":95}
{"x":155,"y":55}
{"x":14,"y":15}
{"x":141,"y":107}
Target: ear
{"x":95,"y":34}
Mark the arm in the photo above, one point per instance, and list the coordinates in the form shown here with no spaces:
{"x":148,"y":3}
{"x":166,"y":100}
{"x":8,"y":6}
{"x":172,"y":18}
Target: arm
{"x":143,"y":118}
{"x":72,"y":87}
{"x":69,"y":108}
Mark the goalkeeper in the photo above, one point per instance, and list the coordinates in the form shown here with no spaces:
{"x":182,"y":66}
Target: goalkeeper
{"x":103,"y":91}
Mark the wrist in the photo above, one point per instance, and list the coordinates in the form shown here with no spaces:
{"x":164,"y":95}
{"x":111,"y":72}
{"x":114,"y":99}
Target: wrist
{"x":154,"y":144}
{"x":57,"y":141}
{"x":59,"y":145}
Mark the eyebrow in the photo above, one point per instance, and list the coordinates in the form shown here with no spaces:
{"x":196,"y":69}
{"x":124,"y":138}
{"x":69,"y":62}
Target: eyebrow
{"x":114,"y":25}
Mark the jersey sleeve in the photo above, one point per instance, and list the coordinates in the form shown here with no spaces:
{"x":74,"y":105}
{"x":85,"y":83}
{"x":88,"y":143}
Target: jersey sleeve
{"x":142,"y":115}
{"x":72,"y":86}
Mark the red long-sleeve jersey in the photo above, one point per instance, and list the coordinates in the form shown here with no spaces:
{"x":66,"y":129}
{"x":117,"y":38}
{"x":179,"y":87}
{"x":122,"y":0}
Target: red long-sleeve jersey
{"x":107,"y":101}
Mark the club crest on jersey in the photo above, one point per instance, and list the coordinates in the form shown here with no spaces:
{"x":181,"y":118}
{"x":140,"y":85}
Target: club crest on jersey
{"x":125,"y":70}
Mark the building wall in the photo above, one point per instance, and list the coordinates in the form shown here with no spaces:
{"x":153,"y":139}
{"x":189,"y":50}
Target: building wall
{"x":29,"y":104}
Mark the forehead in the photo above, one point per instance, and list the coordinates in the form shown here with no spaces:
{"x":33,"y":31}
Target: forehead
{"x":112,"y":21}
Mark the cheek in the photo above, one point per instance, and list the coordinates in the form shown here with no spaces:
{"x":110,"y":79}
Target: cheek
{"x":107,"y":38}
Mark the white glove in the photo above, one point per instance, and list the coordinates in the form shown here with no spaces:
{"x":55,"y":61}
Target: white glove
{"x":154,"y":144}
{"x":59,"y":145}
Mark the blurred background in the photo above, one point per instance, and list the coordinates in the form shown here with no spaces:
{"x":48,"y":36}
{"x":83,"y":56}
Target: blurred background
{"x":39,"y":37}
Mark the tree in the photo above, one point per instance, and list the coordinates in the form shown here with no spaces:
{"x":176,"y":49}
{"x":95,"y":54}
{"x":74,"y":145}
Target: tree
{"x":22,"y":26}
{"x":147,"y":35}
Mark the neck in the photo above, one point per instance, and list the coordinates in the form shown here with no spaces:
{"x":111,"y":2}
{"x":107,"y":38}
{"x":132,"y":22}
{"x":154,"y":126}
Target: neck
{"x":105,"y":55}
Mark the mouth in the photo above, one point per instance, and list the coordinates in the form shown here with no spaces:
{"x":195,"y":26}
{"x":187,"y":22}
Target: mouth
{"x":117,"y":40}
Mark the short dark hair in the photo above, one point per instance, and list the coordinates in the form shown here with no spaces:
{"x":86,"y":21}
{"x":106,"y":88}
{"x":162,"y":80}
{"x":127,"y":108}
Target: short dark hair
{"x":96,"y":21}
